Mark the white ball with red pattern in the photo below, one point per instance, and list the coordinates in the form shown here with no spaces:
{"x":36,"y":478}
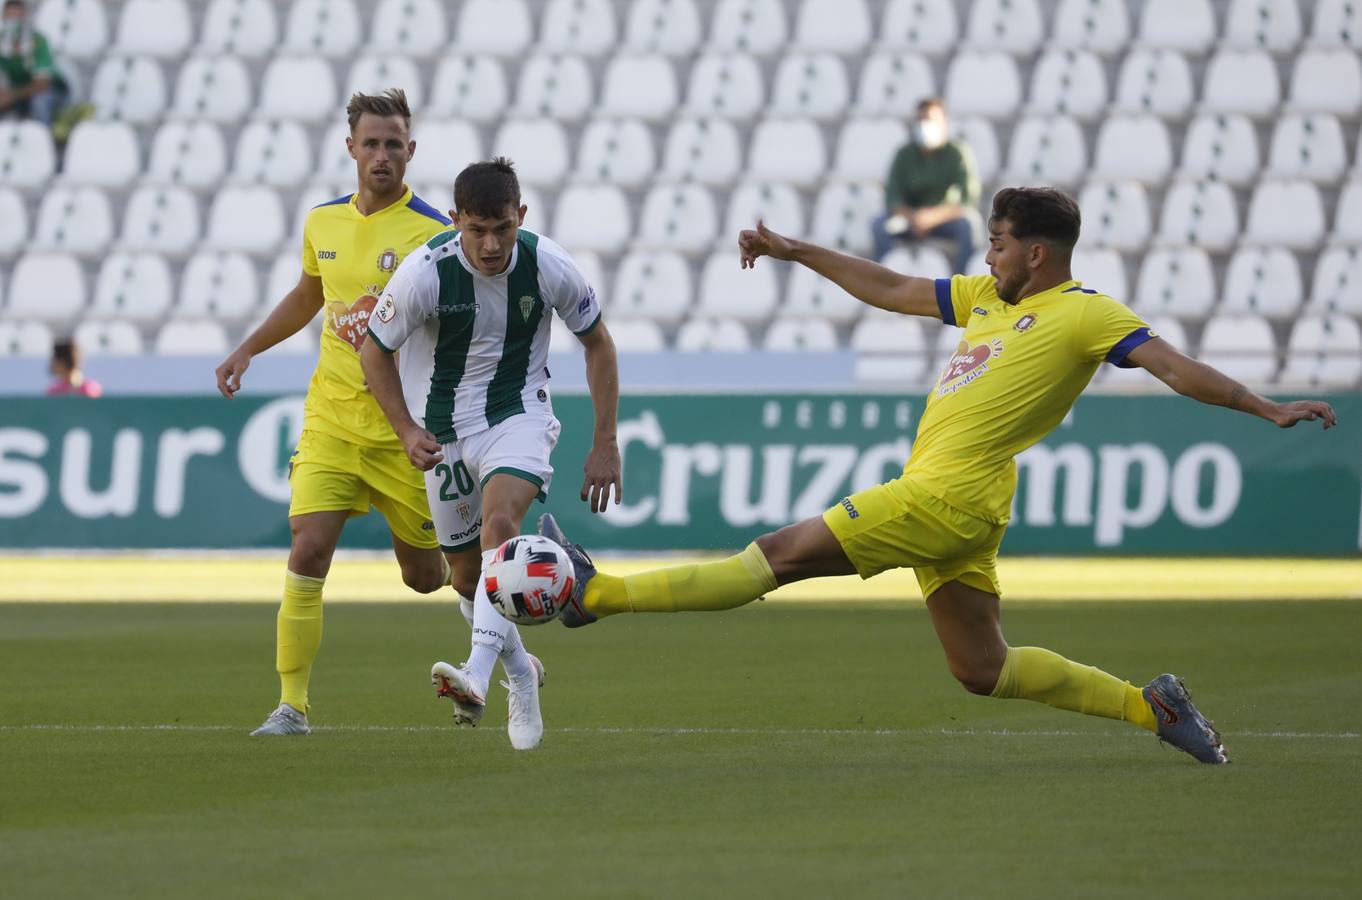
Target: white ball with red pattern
{"x":529,"y":579}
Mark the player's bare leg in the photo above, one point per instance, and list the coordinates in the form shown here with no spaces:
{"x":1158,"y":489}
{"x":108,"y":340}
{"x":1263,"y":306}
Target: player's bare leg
{"x":424,"y":569}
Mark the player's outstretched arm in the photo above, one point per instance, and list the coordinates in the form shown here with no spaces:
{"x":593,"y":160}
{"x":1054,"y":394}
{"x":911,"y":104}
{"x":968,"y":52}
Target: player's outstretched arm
{"x":867,"y":281}
{"x":1195,"y":379}
{"x":602,"y":468}
{"x":380,"y":373}
{"x":288,"y":318}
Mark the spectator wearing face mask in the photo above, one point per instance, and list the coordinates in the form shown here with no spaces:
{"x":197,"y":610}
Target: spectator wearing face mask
{"x":30,"y":85}
{"x":932,"y":190}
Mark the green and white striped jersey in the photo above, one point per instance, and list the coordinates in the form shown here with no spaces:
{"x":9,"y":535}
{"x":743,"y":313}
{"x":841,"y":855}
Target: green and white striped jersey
{"x":474,"y":346}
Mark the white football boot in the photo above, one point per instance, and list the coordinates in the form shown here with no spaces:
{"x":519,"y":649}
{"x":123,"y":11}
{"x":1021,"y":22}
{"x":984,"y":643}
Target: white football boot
{"x":453,"y":682}
{"x":524,"y":724}
{"x":284,"y":720}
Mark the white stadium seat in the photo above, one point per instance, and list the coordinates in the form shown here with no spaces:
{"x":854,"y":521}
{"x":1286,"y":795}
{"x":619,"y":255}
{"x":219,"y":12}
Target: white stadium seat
{"x":500,"y":27}
{"x":78,"y":29}
{"x":1157,"y":82}
{"x":443,"y":148}
{"x":1265,"y":281}
{"x":918,"y":260}
{"x":1241,"y":346}
{"x":635,"y":337}
{"x":1068,"y":82}
{"x":1290,"y":213}
{"x":334,"y":164}
{"x":705,"y":150}
{"x":892,"y":349}
{"x":1185,"y":25}
{"x":1201,"y":213}
{"x":983,"y":141}
{"x":1328,"y":81}
{"x":217,"y":89}
{"x":114,"y":338}
{"x":1324,"y":351}
{"x":1101,"y":269}
{"x":1337,"y":285}
{"x":160,"y":28}
{"x":924,"y":26}
{"x":787,"y":150}
{"x":808,"y":294}
{"x":866,"y":148}
{"x":285,"y":270}
{"x":273,"y":153}
{"x":1115,"y":214}
{"x":652,"y":285}
{"x":412,"y":28}
{"x":1102,"y":26}
{"x":1307,"y":146}
{"x":983,"y":83}
{"x":1175,"y":281}
{"x":46,"y":287}
{"x":800,"y":336}
{"x":134,"y":287}
{"x":103,"y":154}
{"x":713,"y":336}
{"x":326,"y":27}
{"x":469,"y":87}
{"x":1046,"y":151}
{"x":678,"y":217}
{"x":725,"y":85}
{"x":810,"y":84}
{"x":74,"y":220}
{"x":26,"y":338}
{"x":843,"y":212}
{"x":671,"y":27}
{"x":163,"y":219}
{"x":245,"y":219}
{"x":593,"y":217}
{"x":538,"y":147}
{"x":1016,"y":26}
{"x":892,"y":84}
{"x":1133,"y":147}
{"x":748,"y":295}
{"x":838,"y":26}
{"x":188,"y":338}
{"x":376,"y":74}
{"x":1348,"y":213}
{"x":1220,"y":147}
{"x":301,"y":88}
{"x":220,"y":286}
{"x":778,"y":205}
{"x":239,"y":27}
{"x":1243,"y":82}
{"x":13,"y":222}
{"x":1337,"y":23}
{"x":577,"y":26}
{"x":1273,"y":25}
{"x":27,"y":157}
{"x":616,"y":151}
{"x":749,"y":26}
{"x":130,"y":88}
{"x":639,"y":87}
{"x":558,"y":87}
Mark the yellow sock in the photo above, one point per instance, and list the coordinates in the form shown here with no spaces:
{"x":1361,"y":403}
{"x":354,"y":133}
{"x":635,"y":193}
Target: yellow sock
{"x":1033,"y":673}
{"x":708,"y":586}
{"x":299,"y":635}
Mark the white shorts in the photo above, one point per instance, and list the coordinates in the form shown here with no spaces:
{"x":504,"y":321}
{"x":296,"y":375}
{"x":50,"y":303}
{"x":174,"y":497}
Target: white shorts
{"x":519,"y":446}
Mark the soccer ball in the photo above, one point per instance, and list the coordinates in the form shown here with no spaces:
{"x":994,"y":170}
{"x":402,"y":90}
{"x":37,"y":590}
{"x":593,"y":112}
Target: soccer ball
{"x":529,"y":580}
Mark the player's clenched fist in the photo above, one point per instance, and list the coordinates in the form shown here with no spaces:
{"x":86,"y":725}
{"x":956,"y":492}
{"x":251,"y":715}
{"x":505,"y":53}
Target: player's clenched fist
{"x":422,"y":448}
{"x":229,"y":372}
{"x":763,"y":242}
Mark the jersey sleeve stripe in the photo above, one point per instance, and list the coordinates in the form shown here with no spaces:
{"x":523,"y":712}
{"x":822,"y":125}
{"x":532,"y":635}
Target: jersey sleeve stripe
{"x":382,"y":346}
{"x":417,"y":205}
{"x":338,"y":200}
{"x":590,"y":328}
{"x":943,"y":300}
{"x":1117,"y":355}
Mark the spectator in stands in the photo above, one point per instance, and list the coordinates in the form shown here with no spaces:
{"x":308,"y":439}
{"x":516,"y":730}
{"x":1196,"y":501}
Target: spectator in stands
{"x":933,"y":188}
{"x":68,"y":379}
{"x":30,"y":85}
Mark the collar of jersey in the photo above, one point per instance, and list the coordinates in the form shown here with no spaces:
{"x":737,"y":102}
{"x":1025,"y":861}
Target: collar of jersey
{"x":1047,"y":294}
{"x":399,"y":203}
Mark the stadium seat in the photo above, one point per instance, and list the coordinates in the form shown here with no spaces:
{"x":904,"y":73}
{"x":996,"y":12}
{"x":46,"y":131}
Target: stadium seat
{"x":27,"y":157}
{"x":285,"y":270}
{"x":129,"y":88}
{"x":983,"y":141}
{"x":1272,"y":25}
{"x":923,"y":26}
{"x":46,"y":287}
{"x":78,"y":29}
{"x":1175,"y":281}
{"x":1324,"y":350}
{"x":538,"y":147}
{"x":13,"y":222}
{"x":810,"y":295}
{"x":162,"y":219}
{"x":678,"y":217}
{"x":1101,"y":269}
{"x":133,"y":287}
{"x":1200,"y":213}
{"x":103,"y":154}
{"x":586,"y":27}
{"x":443,"y":148}
{"x":1101,"y":26}
{"x":729,"y":86}
{"x":983,"y":83}
{"x":159,"y":28}
{"x":75,"y":220}
{"x":892,"y":84}
{"x":866,"y":147}
{"x":375,"y":74}
{"x":1068,"y":82}
{"x":1337,"y":23}
{"x":538,"y":211}
{"x":1242,"y":82}
{"x":328,"y":28}
{"x":245,"y":219}
{"x":25,"y":339}
{"x":1133,"y":147}
{"x":247,"y":28}
{"x":705,"y":150}
{"x":188,"y":338}
{"x":748,"y":26}
{"x":1015,"y":26}
{"x":1046,"y":151}
{"x":114,"y":338}
{"x":1290,"y":213}
{"x":273,"y":153}
{"x":1220,"y":148}
{"x":499,"y":27}
{"x":616,"y":151}
{"x":787,"y":150}
{"x":838,"y":26}
{"x":713,"y":336}
{"x":593,"y":217}
{"x":1338,"y":282}
{"x":810,"y":84}
{"x":558,"y":87}
{"x":411,"y":28}
{"x":641,"y":87}
{"x":219,"y":286}
{"x":652,"y":285}
{"x":592,"y":268}
{"x":800,"y":335}
{"x":918,"y":260}
{"x":469,"y":87}
{"x":893,"y":349}
{"x":334,"y":165}
{"x":301,"y":88}
{"x":842,"y":214}
{"x":778,"y":205}
{"x":1328,"y":81}
{"x":1241,"y":346}
{"x":636,"y":337}
{"x":1265,"y":281}
{"x":1185,"y":25}
{"x":1307,"y":146}
{"x":1156,"y":82}
{"x":726,"y":289}
{"x":216,"y":89}
{"x":1348,"y":213}
{"x":1115,"y":214}
{"x":670,"y":27}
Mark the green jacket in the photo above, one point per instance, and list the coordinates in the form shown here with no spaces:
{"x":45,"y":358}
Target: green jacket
{"x":945,"y":175}
{"x":25,"y":55}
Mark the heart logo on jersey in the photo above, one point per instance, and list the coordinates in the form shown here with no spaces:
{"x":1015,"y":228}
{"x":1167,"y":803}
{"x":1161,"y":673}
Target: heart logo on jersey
{"x":351,"y":323}
{"x":967,"y":364}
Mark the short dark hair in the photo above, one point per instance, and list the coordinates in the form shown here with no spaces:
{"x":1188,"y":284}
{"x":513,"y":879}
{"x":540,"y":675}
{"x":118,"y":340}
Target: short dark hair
{"x":392,"y":102}
{"x":485,"y":189}
{"x":63,"y":349}
{"x":927,"y":103}
{"x":19,"y":3}
{"x":1043,"y":213}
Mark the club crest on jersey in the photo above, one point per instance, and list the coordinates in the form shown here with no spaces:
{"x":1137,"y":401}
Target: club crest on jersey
{"x":967,"y":365}
{"x":465,"y":512}
{"x":979,"y":311}
{"x":1025,"y":322}
{"x":526,"y":307}
{"x":387,"y":260}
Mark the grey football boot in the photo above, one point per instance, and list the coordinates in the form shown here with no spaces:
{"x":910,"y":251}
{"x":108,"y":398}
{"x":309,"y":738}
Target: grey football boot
{"x":575,"y":614}
{"x":1180,"y":724}
{"x":284,"y":720}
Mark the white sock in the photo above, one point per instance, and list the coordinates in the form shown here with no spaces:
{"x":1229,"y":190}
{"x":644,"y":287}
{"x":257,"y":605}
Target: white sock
{"x":466,"y":607}
{"x":515,"y":659}
{"x":489,"y":635}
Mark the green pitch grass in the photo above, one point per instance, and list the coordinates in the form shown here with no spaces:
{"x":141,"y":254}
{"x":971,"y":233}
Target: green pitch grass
{"x":781,"y":750}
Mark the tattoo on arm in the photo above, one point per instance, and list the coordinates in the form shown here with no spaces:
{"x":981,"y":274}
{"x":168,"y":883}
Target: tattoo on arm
{"x":1236,"y":395}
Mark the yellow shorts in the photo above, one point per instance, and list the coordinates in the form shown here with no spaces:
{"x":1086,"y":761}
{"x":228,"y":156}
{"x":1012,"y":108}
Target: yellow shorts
{"x":898,"y":524}
{"x":327,"y":473}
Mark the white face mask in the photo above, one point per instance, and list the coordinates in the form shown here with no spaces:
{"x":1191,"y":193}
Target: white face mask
{"x":929,"y":134}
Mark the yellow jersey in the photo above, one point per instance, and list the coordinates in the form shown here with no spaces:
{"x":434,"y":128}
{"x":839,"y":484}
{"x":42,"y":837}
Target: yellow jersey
{"x":355,"y":255}
{"x":1013,"y":377}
